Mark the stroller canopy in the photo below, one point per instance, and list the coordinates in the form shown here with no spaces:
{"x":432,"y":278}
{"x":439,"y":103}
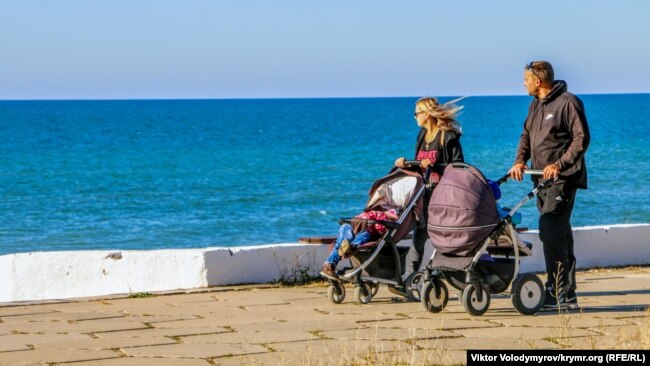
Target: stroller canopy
{"x":462,"y":211}
{"x":396,"y":191}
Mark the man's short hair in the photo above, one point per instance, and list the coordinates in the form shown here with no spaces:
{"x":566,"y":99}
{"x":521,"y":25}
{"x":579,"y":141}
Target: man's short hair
{"x":543,"y":70}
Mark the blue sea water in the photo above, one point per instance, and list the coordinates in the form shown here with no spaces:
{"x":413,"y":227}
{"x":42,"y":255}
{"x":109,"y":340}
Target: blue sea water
{"x":81,"y":175}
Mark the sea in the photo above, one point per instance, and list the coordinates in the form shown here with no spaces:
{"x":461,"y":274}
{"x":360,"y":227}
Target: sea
{"x":154,"y":174}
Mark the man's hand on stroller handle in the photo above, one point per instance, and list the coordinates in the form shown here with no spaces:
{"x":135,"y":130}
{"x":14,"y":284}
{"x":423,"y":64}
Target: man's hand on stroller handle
{"x":545,"y":182}
{"x":517,"y":171}
{"x":551,"y":171}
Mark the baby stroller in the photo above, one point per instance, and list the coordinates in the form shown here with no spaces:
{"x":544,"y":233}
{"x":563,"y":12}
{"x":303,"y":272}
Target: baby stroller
{"x":475,"y":250}
{"x":382,"y":261}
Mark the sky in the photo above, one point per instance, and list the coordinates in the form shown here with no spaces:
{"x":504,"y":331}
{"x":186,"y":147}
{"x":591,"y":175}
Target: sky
{"x":142,"y":49}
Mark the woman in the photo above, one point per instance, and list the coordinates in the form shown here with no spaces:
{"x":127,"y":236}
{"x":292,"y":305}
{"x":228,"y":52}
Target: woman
{"x":437,"y":145}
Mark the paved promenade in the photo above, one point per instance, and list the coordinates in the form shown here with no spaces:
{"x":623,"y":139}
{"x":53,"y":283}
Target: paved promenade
{"x":270,"y":325}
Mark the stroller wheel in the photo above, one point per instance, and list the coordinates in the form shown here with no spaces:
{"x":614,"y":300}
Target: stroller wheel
{"x":471,"y":302}
{"x":434,"y":295}
{"x":528,"y":294}
{"x":414,"y":284}
{"x":374,"y":287}
{"x":363,"y":293}
{"x":336,"y":292}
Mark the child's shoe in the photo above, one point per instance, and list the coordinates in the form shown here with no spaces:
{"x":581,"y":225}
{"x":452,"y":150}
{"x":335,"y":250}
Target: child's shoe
{"x":329,"y":271}
{"x":346,"y":249}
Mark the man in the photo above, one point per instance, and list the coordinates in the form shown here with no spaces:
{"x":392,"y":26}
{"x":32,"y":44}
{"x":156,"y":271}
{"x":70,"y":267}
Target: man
{"x":555,"y":139}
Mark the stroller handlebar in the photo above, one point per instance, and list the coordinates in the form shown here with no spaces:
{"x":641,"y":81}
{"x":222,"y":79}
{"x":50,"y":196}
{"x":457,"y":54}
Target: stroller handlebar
{"x":527,"y":171}
{"x":411,"y":162}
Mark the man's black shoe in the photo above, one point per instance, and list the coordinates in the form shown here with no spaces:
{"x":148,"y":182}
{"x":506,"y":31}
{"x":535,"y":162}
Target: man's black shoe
{"x":567,"y":300}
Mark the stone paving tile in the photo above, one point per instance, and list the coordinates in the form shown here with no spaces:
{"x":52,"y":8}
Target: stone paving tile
{"x":412,"y":357}
{"x":386,"y":334}
{"x":527,"y":332}
{"x":17,"y":311}
{"x":157,"y":318}
{"x":14,"y":347}
{"x":23,"y":341}
{"x":195,"y":324}
{"x":104,"y":343}
{"x":158,"y":305}
{"x":553,"y":319}
{"x":251,"y":337}
{"x":336,"y":351}
{"x":464,"y":343}
{"x":44,"y":357}
{"x":155,"y":332}
{"x":283,"y":327}
{"x":62,"y":316}
{"x":626,"y":331}
{"x":272,"y":359}
{"x":442,"y":322}
{"x":627,"y":337}
{"x":436,"y":357}
{"x":64,"y":327}
{"x":187,"y":350}
{"x":149,"y":361}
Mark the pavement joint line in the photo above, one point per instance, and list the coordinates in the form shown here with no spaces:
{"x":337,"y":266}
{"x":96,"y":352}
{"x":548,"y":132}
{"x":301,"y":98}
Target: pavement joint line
{"x":199,"y":334}
{"x":119,"y":330}
{"x":284,"y":342}
{"x":85,"y":360}
{"x":99,"y":318}
{"x":603,"y":278}
{"x":17,"y":350}
{"x":231,"y":355}
{"x":30,"y":314}
{"x":380,"y":320}
{"x":274,"y":304}
{"x":170,"y":321}
{"x":118,"y":349}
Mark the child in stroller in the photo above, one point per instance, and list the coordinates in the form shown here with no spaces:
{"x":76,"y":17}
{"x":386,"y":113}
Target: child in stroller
{"x":349,"y":238}
{"x":379,"y":260}
{"x":474,"y":246}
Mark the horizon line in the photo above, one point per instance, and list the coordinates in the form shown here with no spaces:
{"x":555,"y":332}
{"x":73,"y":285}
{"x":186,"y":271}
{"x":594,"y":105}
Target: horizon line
{"x":288,"y":98}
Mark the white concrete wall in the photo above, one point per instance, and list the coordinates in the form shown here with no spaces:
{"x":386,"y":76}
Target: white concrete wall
{"x":7,"y":280}
{"x":61,"y":275}
{"x":261,"y":264}
{"x":597,"y":246}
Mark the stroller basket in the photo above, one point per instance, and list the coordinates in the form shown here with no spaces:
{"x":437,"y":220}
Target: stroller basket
{"x":497,"y":274}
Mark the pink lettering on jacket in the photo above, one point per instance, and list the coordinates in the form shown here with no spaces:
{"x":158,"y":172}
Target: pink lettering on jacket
{"x":431,"y":155}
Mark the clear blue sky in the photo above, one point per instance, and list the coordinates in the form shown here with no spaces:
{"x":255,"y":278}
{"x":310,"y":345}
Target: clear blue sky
{"x":119,"y":49}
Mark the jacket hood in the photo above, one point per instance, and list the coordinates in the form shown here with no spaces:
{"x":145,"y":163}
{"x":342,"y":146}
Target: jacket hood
{"x":559,"y":87}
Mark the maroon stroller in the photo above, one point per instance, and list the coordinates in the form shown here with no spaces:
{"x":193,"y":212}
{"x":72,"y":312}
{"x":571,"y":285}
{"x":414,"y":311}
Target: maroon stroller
{"x":382,"y":261}
{"x":476,"y":250}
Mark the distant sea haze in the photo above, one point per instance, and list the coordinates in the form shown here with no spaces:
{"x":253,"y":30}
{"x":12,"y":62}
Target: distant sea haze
{"x":82,"y":175}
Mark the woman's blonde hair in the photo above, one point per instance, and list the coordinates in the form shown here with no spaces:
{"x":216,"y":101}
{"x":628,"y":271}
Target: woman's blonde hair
{"x":444,"y":115}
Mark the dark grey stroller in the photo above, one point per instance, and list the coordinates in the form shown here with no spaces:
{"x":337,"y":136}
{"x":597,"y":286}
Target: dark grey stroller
{"x":382,"y":261}
{"x":475,"y":250}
